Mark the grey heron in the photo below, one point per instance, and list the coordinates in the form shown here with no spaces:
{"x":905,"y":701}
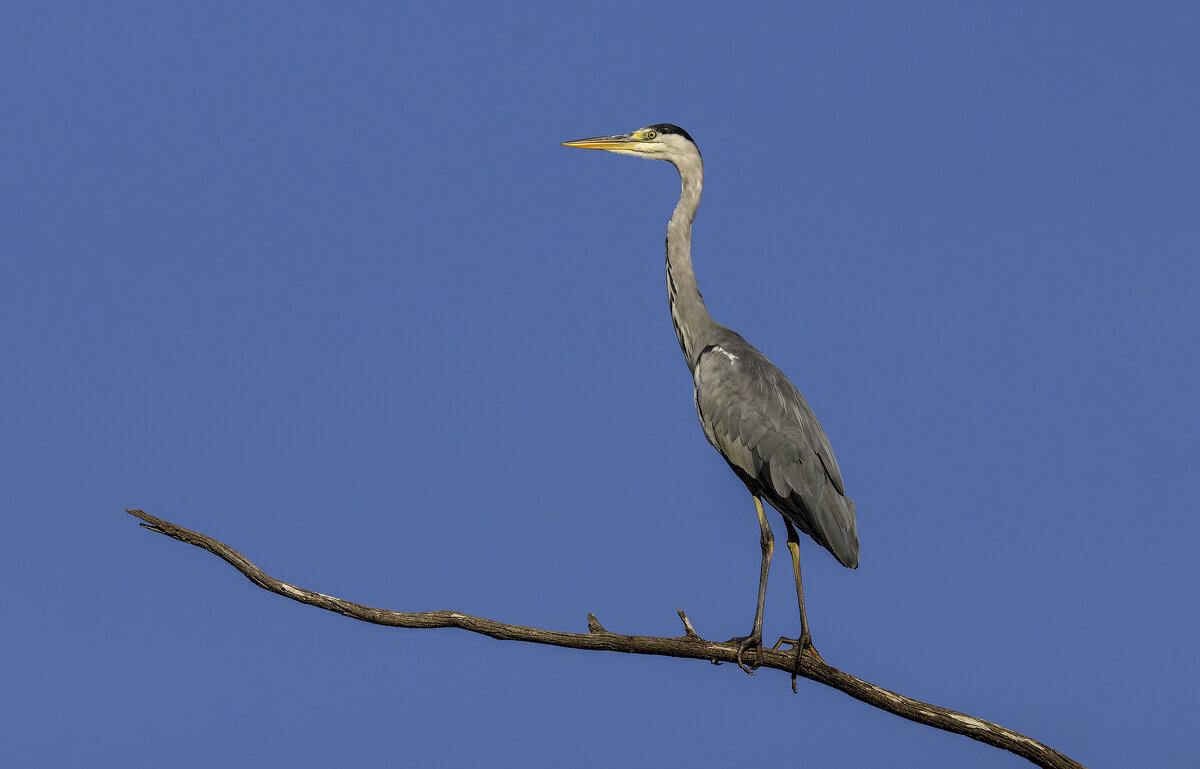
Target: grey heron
{"x":751,"y":413}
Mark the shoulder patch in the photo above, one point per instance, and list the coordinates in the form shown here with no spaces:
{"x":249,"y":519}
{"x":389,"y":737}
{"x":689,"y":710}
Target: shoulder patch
{"x":723,"y":351}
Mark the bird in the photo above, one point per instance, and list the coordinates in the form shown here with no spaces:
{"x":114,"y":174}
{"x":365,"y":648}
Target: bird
{"x":749,"y":410}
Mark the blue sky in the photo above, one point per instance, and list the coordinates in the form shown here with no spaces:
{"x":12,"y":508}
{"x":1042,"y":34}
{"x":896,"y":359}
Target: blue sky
{"x":317,"y":280}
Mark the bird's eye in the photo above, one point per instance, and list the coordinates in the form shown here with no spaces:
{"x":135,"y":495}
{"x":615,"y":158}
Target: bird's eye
{"x":650,"y":134}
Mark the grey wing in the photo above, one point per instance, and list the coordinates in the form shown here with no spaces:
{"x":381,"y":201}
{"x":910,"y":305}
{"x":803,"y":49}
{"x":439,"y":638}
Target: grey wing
{"x":766,"y":431}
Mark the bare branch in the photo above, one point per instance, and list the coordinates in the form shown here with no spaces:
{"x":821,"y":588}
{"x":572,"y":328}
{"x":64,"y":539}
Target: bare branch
{"x":690,"y":645}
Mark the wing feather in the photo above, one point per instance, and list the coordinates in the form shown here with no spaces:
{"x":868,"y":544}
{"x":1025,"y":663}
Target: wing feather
{"x":767,"y":432}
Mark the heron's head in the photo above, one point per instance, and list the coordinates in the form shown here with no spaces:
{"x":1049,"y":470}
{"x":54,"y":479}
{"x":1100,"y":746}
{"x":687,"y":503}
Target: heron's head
{"x":661,"y":141}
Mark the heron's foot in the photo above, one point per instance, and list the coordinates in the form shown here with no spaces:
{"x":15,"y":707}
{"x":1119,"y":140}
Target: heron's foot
{"x":753,"y":641}
{"x":802,"y":645}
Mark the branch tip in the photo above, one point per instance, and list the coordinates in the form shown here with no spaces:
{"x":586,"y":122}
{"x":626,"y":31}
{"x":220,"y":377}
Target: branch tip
{"x":594,"y":625}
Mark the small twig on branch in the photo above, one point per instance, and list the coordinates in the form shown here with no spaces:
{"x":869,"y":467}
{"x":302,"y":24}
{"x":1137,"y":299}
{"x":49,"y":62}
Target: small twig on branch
{"x":687,"y":625}
{"x":690,"y":645}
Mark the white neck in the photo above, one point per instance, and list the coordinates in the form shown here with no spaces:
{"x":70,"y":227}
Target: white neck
{"x":694,"y":327}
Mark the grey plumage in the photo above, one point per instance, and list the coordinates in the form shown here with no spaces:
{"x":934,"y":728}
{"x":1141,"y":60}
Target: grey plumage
{"x":751,"y":413}
{"x":767,"y":433}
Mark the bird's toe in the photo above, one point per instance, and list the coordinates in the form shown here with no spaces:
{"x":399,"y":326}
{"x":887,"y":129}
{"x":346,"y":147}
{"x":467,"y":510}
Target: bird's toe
{"x":744,"y":645}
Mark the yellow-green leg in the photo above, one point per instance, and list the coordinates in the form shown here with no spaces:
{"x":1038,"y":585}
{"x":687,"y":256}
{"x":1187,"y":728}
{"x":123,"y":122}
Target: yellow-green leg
{"x":805,"y":640}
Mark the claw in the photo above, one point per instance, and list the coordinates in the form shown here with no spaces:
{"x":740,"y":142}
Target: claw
{"x":801,"y":645}
{"x":743,"y":645}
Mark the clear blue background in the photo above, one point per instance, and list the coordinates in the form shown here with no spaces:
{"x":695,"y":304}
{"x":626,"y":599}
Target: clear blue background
{"x":317,"y":280}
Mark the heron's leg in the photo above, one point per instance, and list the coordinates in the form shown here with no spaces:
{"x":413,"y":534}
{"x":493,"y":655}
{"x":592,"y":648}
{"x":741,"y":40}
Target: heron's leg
{"x":768,"y":547}
{"x":793,"y":544}
{"x":805,"y":639}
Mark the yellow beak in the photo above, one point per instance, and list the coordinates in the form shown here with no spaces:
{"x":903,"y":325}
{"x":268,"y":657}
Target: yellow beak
{"x":619,"y":142}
